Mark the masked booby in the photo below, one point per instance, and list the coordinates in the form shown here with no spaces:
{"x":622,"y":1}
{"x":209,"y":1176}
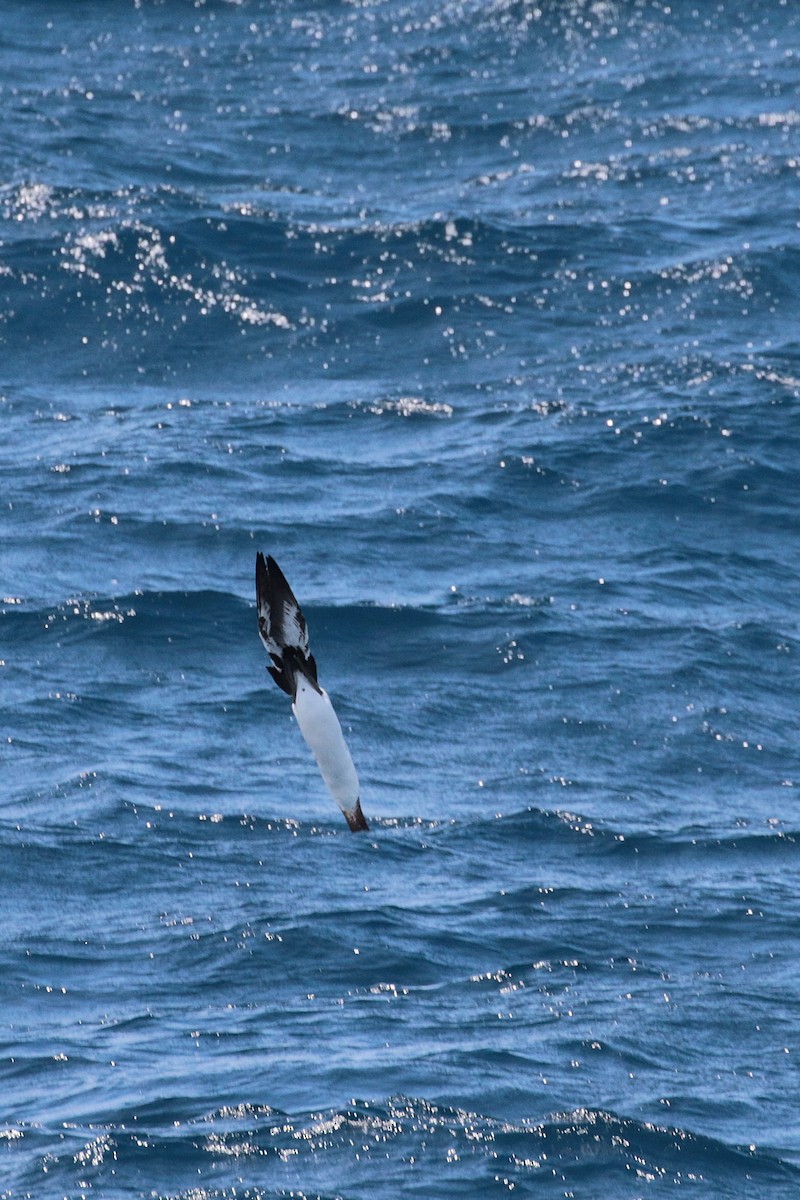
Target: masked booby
{"x":283,"y":630}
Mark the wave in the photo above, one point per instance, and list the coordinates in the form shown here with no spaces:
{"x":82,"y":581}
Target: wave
{"x":187,"y":821}
{"x":168,"y":1137}
{"x":213,"y":616}
{"x":588,"y":835}
{"x":157,"y":266}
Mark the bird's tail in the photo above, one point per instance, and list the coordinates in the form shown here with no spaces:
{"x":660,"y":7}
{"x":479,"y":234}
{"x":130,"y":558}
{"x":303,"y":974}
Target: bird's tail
{"x":290,"y":663}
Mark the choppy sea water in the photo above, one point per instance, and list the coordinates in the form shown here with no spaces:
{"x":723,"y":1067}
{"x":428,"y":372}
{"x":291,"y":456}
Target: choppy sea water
{"x":482,"y":319}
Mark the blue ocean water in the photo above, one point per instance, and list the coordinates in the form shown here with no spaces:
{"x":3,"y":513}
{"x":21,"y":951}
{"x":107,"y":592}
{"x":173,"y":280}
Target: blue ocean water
{"x":481,"y":318}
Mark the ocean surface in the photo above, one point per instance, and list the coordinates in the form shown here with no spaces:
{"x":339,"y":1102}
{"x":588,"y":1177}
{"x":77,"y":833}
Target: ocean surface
{"x":482,"y":318}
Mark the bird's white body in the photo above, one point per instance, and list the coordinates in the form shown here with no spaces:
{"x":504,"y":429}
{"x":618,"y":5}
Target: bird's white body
{"x":320,"y":727}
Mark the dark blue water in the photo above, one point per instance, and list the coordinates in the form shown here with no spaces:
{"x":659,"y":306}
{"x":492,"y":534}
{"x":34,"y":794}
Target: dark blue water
{"x":482,"y":319}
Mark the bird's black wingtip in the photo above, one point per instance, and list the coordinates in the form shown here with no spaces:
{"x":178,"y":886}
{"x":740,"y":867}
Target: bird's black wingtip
{"x":262,"y":577}
{"x":278,"y":580}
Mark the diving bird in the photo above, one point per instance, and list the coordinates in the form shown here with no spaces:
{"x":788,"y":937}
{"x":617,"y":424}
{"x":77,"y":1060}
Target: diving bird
{"x":282,"y":628}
